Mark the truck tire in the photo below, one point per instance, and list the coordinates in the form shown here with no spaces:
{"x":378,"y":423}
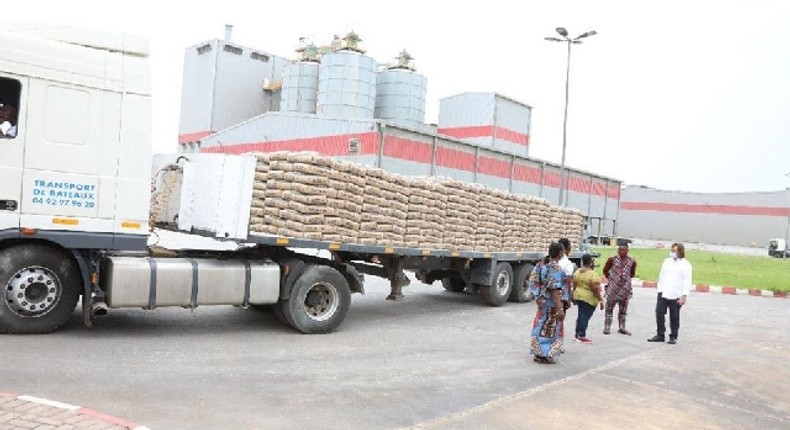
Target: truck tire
{"x":454,"y":285}
{"x":497,"y":294}
{"x":319,"y":300}
{"x":41,"y":286}
{"x":520,"y":293}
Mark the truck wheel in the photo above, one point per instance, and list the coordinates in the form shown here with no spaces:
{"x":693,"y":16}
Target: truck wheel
{"x":41,"y":286}
{"x":319,"y":300}
{"x":454,"y":285}
{"x":497,"y":294}
{"x":520,"y":293}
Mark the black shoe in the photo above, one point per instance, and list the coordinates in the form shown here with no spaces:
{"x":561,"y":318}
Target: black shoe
{"x":672,"y":341}
{"x":656,"y":338}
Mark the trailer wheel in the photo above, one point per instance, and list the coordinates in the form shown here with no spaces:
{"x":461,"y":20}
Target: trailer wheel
{"x":41,"y":286}
{"x":454,"y":285}
{"x":319,"y":300}
{"x":520,"y":293}
{"x":497,"y":294}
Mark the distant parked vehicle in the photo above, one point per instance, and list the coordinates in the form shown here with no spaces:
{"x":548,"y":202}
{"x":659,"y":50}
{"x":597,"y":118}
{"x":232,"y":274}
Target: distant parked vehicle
{"x":778,"y":248}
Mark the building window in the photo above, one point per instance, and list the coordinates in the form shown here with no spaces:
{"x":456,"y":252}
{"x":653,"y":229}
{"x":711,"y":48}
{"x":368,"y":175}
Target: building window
{"x":233,"y":50}
{"x":259,"y":57}
{"x":10,"y":91}
{"x":203,"y":49}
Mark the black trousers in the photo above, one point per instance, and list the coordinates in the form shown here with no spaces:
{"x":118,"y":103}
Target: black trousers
{"x":662,"y":305}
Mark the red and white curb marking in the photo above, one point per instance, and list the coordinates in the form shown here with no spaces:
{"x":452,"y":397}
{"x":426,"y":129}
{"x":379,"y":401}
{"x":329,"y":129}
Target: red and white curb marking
{"x":76,"y":409}
{"x":702,"y":288}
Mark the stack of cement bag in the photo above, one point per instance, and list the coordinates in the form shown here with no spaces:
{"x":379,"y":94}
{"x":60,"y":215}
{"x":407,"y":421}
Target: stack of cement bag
{"x":539,"y":212}
{"x":384,"y":209}
{"x":573,"y":221}
{"x":490,"y":219}
{"x":461,"y":215}
{"x":296,"y":195}
{"x":425,"y":223}
{"x":517,"y":237}
{"x":310,"y":196}
{"x":258,"y":209}
{"x":344,"y":210}
{"x":556,"y":224}
{"x":307,"y":196}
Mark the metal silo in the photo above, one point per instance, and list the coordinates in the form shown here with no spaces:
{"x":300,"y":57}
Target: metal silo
{"x":300,"y":81}
{"x":400,"y":93}
{"x":300,"y":87}
{"x":347,"y":82}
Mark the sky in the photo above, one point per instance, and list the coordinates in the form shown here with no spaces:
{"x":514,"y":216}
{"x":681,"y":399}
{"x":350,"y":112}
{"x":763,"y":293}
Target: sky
{"x":682,"y":95}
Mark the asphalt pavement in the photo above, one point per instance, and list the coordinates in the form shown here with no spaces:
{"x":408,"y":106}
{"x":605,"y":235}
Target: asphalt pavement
{"x":435,"y":360}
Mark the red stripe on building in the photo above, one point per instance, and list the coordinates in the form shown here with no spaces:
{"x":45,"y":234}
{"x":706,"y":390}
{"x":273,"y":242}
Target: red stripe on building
{"x":578,"y":184}
{"x":406,"y":149}
{"x":599,"y":189}
{"x":194,"y":137}
{"x":706,"y":209}
{"x":476,"y":131}
{"x":468,"y":132}
{"x":493,"y":167}
{"x":511,"y":136}
{"x":413,"y":150}
{"x":551,"y":179}
{"x":327,"y":145}
{"x":454,"y":159}
{"x":613,"y":192}
{"x":527,"y":174}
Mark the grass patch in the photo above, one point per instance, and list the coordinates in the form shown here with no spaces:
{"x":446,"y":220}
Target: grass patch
{"x":712,"y":268}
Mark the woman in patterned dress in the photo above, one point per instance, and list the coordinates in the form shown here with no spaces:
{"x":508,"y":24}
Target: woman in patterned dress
{"x":547,"y":329}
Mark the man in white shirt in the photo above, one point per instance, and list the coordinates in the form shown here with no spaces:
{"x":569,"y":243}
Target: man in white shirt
{"x":565,"y":263}
{"x":8,"y":118}
{"x":674,"y":284}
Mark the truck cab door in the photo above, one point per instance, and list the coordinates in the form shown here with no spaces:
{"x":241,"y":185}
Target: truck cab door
{"x":13,"y":114}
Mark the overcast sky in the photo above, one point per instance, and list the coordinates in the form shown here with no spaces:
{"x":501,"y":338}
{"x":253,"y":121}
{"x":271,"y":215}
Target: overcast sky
{"x":687,"y":95}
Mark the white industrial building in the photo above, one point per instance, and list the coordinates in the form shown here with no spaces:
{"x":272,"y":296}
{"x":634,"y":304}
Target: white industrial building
{"x":743,"y":219}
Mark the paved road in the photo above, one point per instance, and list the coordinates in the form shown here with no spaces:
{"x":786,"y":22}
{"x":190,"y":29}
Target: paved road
{"x":437,"y":360}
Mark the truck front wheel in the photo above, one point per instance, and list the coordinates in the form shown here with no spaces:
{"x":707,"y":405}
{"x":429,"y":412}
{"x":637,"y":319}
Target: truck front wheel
{"x":41,"y":286}
{"x":319,"y":300}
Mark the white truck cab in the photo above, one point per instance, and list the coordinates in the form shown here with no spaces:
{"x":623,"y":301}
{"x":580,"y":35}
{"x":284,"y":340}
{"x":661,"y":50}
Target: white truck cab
{"x":75,"y":160}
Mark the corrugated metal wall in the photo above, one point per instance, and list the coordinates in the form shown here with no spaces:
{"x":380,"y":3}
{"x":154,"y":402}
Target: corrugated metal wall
{"x":513,"y":122}
{"x":743,"y":219}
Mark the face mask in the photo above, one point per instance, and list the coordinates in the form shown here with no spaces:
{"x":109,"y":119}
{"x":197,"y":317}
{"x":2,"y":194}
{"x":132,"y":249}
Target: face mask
{"x":673,"y":255}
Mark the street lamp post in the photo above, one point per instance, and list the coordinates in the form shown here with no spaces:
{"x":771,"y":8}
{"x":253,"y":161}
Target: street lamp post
{"x":570,"y":41}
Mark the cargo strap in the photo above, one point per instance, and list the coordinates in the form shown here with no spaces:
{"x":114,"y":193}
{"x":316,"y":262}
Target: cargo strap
{"x":152,"y":285}
{"x":193,"y":303}
{"x":247,"y":282}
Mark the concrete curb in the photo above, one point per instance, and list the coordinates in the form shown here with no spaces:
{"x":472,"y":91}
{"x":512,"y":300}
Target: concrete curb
{"x":715,"y":289}
{"x":77,"y":410}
